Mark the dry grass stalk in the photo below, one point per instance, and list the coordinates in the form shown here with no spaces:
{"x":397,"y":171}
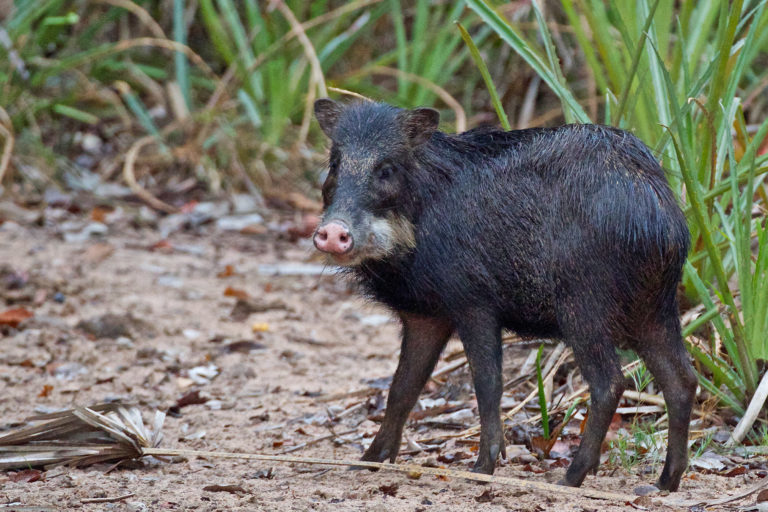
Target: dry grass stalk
{"x":140,"y":13}
{"x":317,"y":79}
{"x":7,"y":134}
{"x":349,"y":93}
{"x":445,"y":96}
{"x":129,"y":175}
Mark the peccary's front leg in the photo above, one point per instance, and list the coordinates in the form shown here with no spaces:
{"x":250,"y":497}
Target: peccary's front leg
{"x":481,"y":337}
{"x":423,"y":340}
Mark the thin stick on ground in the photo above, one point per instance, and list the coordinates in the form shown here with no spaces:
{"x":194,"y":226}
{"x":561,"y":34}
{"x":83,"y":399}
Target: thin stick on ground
{"x":411,"y":469}
{"x":316,"y":440}
{"x":108,"y":499}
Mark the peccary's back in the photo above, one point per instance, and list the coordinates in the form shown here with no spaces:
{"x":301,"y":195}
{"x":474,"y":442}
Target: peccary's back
{"x":510,"y":220}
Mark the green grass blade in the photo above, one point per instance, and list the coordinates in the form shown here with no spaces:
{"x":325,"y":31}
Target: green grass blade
{"x":180,"y":60}
{"x":480,"y":63}
{"x":635,"y":63}
{"x":699,"y":213}
{"x":75,"y":113}
{"x":542,"y":395}
{"x":586,"y":46}
{"x":402,"y":43}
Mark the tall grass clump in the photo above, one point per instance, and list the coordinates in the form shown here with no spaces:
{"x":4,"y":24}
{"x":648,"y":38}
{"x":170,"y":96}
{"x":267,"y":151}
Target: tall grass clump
{"x":684,"y":78}
{"x":216,"y":85}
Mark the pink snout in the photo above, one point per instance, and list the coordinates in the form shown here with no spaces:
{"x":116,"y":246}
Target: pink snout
{"x":333,"y":238}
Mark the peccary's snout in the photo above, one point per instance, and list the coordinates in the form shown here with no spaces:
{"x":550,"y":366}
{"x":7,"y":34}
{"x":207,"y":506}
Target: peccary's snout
{"x":334,"y":238}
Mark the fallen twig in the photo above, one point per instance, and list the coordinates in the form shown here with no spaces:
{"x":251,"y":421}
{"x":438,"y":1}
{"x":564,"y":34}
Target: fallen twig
{"x":411,"y":469}
{"x":358,"y":393}
{"x":109,"y":499}
{"x":316,"y":440}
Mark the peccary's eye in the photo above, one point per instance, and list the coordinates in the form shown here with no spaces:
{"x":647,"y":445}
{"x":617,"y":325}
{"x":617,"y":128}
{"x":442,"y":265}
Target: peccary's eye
{"x":385,"y":171}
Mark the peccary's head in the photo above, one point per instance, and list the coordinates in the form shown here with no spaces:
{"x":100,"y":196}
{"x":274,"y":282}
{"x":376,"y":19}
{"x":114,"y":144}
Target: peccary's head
{"x":369,"y":195}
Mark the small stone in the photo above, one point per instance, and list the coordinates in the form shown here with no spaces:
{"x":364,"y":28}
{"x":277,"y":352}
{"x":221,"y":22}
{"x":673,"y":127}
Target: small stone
{"x":645,"y":490}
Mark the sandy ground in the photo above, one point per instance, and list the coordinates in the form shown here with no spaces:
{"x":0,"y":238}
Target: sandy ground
{"x":314,"y":338}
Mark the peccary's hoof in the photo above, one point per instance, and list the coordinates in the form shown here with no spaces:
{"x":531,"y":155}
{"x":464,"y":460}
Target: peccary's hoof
{"x":375,"y":454}
{"x":361,"y":468}
{"x":487,"y":464}
{"x":565,"y":483}
{"x":668,"y":485}
{"x":484,"y":467}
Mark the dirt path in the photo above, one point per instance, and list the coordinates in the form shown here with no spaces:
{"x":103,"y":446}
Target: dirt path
{"x":260,"y":378}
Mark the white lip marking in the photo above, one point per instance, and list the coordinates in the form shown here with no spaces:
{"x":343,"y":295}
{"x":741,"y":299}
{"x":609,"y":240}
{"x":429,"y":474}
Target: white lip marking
{"x":387,"y":236}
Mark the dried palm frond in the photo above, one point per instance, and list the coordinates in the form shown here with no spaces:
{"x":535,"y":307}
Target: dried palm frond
{"x":81,"y":436}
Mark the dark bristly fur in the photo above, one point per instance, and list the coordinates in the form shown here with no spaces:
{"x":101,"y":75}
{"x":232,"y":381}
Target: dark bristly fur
{"x":569,"y":233}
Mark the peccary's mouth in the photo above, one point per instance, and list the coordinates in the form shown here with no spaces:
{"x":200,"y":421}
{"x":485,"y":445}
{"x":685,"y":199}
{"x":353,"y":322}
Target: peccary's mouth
{"x":385,"y":237}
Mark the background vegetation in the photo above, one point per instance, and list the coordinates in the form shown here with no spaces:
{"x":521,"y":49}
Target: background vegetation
{"x":220,"y":92}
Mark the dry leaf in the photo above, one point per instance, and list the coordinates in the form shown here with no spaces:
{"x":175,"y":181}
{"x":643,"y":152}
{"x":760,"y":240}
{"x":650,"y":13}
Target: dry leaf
{"x":641,"y":503}
{"x":389,"y":489}
{"x":228,"y":271}
{"x":533,"y":469}
{"x":13,"y":317}
{"x":302,"y":202}
{"x":225,"y":488}
{"x":254,"y":229}
{"x":260,"y":327}
{"x":738,"y":470}
{"x":486,"y":497}
{"x":450,"y":458}
{"x":191,"y":398}
{"x":245,"y":307}
{"x":235,"y":292}
{"x":47,"y":388}
{"x":99,"y":214}
{"x":242,"y":346}
{"x":98,"y":252}
{"x":163,"y":246}
{"x":26,"y":475}
{"x":189,"y":207}
{"x":303,"y":228}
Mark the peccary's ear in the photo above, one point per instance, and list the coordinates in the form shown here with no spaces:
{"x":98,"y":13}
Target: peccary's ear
{"x":420,"y":123}
{"x":327,"y":113}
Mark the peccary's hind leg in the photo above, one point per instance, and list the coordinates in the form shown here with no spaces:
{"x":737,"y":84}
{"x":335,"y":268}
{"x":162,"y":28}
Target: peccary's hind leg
{"x":596,"y":357}
{"x":665,"y":356}
{"x":481,"y":337}
{"x":423,"y":340}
